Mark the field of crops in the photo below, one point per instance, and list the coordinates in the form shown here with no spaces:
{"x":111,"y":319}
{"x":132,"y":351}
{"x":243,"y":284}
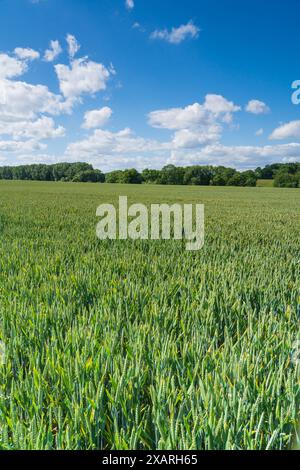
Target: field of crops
{"x":265,"y":183}
{"x":143,"y":345}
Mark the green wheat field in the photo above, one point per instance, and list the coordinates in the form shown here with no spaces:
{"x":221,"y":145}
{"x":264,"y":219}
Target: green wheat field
{"x":143,"y":345}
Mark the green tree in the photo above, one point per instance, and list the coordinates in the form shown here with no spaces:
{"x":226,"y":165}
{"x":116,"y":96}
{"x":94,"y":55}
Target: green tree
{"x":131,"y":176}
{"x":283,"y":179}
{"x":198,"y":175}
{"x":114,"y":177}
{"x":89,"y":176}
{"x":221,"y":175}
{"x":151,"y":176}
{"x":172,"y":175}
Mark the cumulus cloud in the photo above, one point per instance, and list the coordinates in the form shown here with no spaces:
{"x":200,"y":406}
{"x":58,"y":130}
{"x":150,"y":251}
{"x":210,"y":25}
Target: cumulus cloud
{"x":96,"y":118}
{"x":11,"y":67}
{"x":26,"y":53}
{"x":21,"y":99}
{"x":178,"y":118}
{"x":20,"y":146}
{"x":113,"y":150}
{"x":195,"y":115}
{"x":257,"y":107}
{"x":26,"y":109}
{"x":177,"y":35}
{"x":73,"y":45}
{"x":108,"y":151}
{"x":39,"y":129}
{"x":20,"y":118}
{"x":107,"y":142}
{"x":187,"y":138}
{"x":196,"y":124}
{"x":242,"y":157}
{"x":123,"y":149}
{"x":218,"y":105}
{"x":26,"y":119}
{"x":24,"y":158}
{"x":129,"y":4}
{"x":82,"y":76}
{"x":286,"y":131}
{"x":197,"y":130}
{"x":259,"y":132}
{"x":22,"y":126}
{"x":54,"y":50}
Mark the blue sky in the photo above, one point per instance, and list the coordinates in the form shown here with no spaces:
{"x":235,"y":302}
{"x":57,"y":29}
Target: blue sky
{"x":144,"y":83}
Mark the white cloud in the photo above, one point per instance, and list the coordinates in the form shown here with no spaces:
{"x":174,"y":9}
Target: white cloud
{"x":26,"y":53}
{"x":20,"y":107}
{"x":286,"y":131}
{"x":138,"y":26}
{"x":259,"y":132}
{"x":25,"y":108}
{"x":21,"y":104}
{"x":177,"y":35}
{"x":24,"y":158}
{"x":112,"y":69}
{"x":108,"y":150}
{"x":196,"y":140}
{"x":257,"y":107}
{"x":195,"y":115}
{"x":82,"y":76}
{"x":179,"y":118}
{"x":186,"y":138}
{"x":197,"y":124}
{"x":21,"y":100}
{"x":11,"y":67}
{"x":73,"y":45}
{"x":21,"y":146}
{"x":42,"y":128}
{"x":96,"y":118}
{"x":129,"y":4}
{"x":53,"y":51}
{"x":195,"y":130}
{"x":218,"y":105}
{"x":242,"y":157}
{"x":118,"y":144}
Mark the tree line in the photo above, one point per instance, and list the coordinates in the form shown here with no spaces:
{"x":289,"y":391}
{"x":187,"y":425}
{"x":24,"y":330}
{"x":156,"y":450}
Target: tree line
{"x":194,"y":175}
{"x":284,"y":175}
{"x":75,"y":172}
